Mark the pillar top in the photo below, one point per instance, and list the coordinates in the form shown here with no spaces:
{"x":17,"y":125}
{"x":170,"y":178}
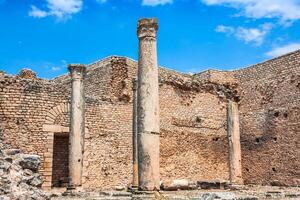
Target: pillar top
{"x":75,"y":67}
{"x":147,"y":27}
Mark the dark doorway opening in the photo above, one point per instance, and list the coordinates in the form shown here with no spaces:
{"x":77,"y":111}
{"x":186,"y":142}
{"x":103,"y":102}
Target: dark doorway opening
{"x":60,"y":170}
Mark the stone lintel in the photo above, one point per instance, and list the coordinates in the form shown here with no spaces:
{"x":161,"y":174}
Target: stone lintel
{"x":55,"y":128}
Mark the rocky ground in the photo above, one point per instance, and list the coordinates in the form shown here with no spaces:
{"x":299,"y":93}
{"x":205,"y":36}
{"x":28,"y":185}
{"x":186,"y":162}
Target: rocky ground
{"x":19,"y":179}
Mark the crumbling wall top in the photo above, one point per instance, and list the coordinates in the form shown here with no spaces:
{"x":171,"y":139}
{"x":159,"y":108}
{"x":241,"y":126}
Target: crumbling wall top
{"x":216,"y":76}
{"x":2,"y":73}
{"x":27,"y":73}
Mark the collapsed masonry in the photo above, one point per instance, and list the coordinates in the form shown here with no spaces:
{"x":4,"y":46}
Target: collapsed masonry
{"x":239,"y":126}
{"x":18,"y":176}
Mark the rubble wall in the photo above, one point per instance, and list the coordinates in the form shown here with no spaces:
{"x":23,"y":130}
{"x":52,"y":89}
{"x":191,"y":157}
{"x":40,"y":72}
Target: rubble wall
{"x":24,"y":104}
{"x":270,"y":121}
{"x":193,"y":121}
{"x":193,"y":136}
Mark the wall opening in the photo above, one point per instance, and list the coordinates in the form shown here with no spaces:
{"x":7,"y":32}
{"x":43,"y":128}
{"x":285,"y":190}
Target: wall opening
{"x":60,"y":171}
{"x":257,"y":140}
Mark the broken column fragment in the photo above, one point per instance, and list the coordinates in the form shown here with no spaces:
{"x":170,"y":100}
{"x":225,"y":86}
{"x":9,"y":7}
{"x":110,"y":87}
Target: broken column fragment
{"x":233,"y":133}
{"x":77,"y":125}
{"x":148,"y":106}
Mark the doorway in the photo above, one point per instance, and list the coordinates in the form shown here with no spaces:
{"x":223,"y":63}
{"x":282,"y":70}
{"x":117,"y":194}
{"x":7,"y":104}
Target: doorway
{"x":60,"y":170}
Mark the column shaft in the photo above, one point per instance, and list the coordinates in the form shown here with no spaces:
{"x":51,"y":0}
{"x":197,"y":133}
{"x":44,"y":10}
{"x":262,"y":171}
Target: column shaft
{"x":148,"y":106}
{"x":233,"y":133}
{"x":77,"y":126}
{"x":134,"y":137}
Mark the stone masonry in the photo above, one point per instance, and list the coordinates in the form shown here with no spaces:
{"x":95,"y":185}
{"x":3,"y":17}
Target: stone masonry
{"x":35,"y":115}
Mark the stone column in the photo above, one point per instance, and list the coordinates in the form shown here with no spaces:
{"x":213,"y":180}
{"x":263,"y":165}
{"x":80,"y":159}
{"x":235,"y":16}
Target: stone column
{"x":77,"y":125}
{"x":148,"y":106}
{"x":233,"y":133}
{"x":135,"y":180}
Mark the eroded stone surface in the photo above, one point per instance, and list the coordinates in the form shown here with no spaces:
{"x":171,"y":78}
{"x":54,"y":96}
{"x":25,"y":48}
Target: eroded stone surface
{"x":18,"y":177}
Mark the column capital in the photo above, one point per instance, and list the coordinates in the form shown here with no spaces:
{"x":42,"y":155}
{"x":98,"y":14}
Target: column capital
{"x":147,"y":27}
{"x":77,"y":70}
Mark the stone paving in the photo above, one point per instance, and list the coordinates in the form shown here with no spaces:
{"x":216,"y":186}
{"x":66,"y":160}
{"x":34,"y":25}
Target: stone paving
{"x":243,"y":193}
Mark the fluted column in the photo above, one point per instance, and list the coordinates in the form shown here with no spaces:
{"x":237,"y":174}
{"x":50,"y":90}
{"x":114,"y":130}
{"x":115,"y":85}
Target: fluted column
{"x":77,"y":120}
{"x":233,"y":133}
{"x":148,"y":106}
{"x":135,"y":180}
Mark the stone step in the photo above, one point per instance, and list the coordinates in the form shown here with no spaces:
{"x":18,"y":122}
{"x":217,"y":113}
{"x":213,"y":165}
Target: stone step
{"x":185,"y":195}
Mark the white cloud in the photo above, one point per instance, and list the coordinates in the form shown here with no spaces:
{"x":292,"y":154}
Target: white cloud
{"x":285,"y":10}
{"x":55,"y":68}
{"x":63,"y":61}
{"x":278,"y":51}
{"x":61,"y":8}
{"x":254,"y":35}
{"x":156,"y":2}
{"x":36,"y":12}
{"x":225,"y":29}
{"x":58,"y":8}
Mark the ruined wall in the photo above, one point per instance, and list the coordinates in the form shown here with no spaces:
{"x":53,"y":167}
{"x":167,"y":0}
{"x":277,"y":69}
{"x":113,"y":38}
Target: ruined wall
{"x":24,"y":104}
{"x":108,"y":146}
{"x":270,"y":121}
{"x":107,"y":80}
{"x":193,"y":121}
{"x":34,"y":116}
{"x":193,"y":125}
{"x":193,"y":136}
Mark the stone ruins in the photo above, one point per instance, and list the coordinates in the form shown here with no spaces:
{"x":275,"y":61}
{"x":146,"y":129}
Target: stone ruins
{"x":122,"y":125}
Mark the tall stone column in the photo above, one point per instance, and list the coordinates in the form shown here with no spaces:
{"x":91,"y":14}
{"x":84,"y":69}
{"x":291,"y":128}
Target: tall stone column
{"x":233,"y":133}
{"x":148,"y":106}
{"x":135,"y":180}
{"x":77,"y":125}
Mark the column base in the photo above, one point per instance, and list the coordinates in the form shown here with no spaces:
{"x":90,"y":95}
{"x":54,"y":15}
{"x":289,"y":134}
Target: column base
{"x":133,"y":188}
{"x":73,"y":191}
{"x":236,"y":186}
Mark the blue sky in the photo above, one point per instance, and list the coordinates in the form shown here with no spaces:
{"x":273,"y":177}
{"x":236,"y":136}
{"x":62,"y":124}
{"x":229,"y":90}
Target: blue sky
{"x":194,"y":35}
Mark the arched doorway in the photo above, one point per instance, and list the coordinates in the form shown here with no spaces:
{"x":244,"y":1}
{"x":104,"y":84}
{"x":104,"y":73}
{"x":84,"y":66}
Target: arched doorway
{"x":55,"y":165}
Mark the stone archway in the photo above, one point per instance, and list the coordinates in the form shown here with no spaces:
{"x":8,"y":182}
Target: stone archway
{"x":52,"y":127}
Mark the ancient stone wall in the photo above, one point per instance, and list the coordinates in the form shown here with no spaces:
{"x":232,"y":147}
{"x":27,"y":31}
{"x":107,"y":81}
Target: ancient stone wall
{"x":192,"y":124}
{"x":108,"y":146}
{"x":270,"y":121}
{"x":24,"y":104}
{"x":193,"y":121}
{"x":193,"y":136}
